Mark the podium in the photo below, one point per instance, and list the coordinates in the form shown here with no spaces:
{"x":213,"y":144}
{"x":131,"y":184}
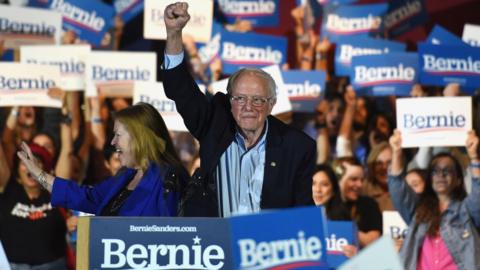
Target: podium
{"x":290,"y":238}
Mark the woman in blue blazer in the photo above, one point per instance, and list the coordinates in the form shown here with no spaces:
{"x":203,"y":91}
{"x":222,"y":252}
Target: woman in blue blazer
{"x":149,"y":183}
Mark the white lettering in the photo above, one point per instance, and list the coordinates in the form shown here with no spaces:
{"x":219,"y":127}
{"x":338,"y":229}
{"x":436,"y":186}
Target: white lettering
{"x":234,"y":53}
{"x":364,"y":75}
{"x":240,"y":8}
{"x":341,"y":25}
{"x":79,"y":15}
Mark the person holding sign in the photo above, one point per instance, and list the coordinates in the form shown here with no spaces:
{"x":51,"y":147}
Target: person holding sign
{"x":253,"y":160}
{"x":148,"y":183}
{"x":443,"y":220}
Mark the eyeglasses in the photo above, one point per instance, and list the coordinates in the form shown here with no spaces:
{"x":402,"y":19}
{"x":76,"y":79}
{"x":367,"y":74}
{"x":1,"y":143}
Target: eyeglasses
{"x":256,"y":101}
{"x":447,"y":171}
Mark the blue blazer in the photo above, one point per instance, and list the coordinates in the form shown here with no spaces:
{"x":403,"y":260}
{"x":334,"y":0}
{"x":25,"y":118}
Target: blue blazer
{"x":148,"y":198}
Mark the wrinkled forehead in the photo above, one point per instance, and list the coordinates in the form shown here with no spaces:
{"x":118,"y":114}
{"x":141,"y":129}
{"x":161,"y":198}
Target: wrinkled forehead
{"x":250,"y":83}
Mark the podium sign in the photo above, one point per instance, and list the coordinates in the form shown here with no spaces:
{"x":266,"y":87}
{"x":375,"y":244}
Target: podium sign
{"x":153,"y":243}
{"x":241,"y":242}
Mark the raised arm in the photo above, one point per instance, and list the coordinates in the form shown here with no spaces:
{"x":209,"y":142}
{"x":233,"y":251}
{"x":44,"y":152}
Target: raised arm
{"x":473,"y":199}
{"x":26,"y":156}
{"x":344,"y":140}
{"x":403,"y":197}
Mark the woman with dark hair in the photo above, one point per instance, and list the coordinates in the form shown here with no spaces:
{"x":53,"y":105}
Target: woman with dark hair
{"x":326,"y":192}
{"x":31,"y":231}
{"x":444,"y":221}
{"x":149,"y":183}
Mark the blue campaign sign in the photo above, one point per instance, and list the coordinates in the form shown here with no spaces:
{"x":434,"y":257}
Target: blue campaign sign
{"x":404,"y":15}
{"x":441,"y":65}
{"x":340,"y":233}
{"x":159,"y":243}
{"x":350,"y":20}
{"x":128,"y":9}
{"x":261,"y":13}
{"x":286,"y":239}
{"x":441,"y":36}
{"x":357,"y":46}
{"x":89,"y":19}
{"x":304,"y":88}
{"x":251,"y":50}
{"x":382,"y":75}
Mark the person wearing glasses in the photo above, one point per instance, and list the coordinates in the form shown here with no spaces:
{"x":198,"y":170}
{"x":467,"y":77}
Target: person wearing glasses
{"x":444,"y":220}
{"x":249,"y":159}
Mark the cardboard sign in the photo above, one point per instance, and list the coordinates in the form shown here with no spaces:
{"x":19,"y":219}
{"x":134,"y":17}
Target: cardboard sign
{"x":350,"y":20}
{"x":23,"y":26}
{"x":441,"y":36}
{"x":113,"y":73}
{"x":27,"y":85}
{"x":251,"y":50}
{"x":154,"y":94}
{"x":382,"y":75}
{"x":339,"y":234}
{"x":304,"y":88}
{"x":471,"y":34}
{"x":434,"y":121}
{"x":441,"y":65}
{"x":70,"y":59}
{"x":380,"y":255}
{"x":89,"y":19}
{"x":404,"y":15}
{"x":128,"y":9}
{"x":199,"y":26}
{"x":357,"y":46}
{"x":261,"y":13}
{"x":291,"y":245}
{"x":283,"y":103}
{"x":394,"y":225}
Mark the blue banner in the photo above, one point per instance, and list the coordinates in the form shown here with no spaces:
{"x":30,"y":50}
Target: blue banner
{"x":287,"y":239}
{"x":128,"y":9}
{"x":340,"y":233}
{"x":160,"y":243}
{"x":89,"y":19}
{"x":404,"y":15}
{"x":349,"y":47}
{"x":304,"y":88}
{"x":352,"y":20}
{"x":261,"y":13}
{"x":251,"y":50}
{"x":441,"y":65}
{"x":384,"y":75}
{"x":441,"y":36}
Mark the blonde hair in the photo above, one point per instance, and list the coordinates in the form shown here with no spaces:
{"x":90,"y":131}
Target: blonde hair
{"x":151,"y":141}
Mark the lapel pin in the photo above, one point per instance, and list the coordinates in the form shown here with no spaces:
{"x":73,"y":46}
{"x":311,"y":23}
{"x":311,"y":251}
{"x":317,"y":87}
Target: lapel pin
{"x":465,"y":234}
{"x":273,"y":164}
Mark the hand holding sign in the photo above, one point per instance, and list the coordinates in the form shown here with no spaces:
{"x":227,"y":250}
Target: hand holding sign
{"x":472,"y":145}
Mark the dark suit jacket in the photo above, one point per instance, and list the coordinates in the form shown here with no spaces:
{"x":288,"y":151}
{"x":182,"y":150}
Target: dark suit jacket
{"x":290,"y":154}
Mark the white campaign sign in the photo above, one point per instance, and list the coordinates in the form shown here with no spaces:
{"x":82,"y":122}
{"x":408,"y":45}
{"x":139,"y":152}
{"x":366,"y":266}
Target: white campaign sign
{"x":394,"y":225}
{"x":471,"y":34}
{"x":434,"y":121}
{"x":199,"y":26}
{"x":283,"y":102}
{"x":115,"y":72}
{"x":27,"y":85}
{"x":70,"y":59}
{"x":22,"y":26}
{"x":154,"y":94}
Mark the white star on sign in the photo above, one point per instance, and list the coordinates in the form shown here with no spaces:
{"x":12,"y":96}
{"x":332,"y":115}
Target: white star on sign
{"x":196,"y":240}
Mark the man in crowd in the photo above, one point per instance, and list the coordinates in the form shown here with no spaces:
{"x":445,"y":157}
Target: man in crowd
{"x":250,"y":159}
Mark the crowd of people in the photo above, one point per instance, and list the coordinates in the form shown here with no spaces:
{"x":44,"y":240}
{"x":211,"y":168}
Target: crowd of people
{"x":108,"y":157}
